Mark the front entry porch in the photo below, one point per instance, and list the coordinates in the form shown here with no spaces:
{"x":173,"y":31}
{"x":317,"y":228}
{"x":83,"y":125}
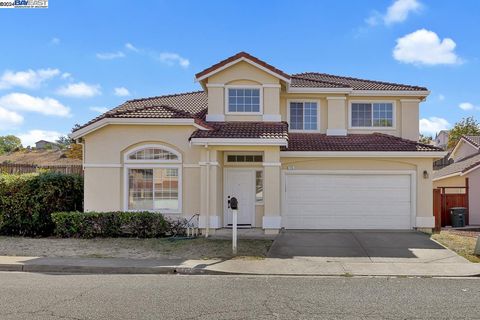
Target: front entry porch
{"x":249,"y":173}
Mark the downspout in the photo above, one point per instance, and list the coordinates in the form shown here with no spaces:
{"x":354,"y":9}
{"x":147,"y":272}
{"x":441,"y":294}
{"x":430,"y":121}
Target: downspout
{"x":207,"y":224}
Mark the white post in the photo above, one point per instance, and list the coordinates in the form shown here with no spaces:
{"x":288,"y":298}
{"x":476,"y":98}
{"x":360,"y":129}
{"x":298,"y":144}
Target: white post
{"x":234,"y":231}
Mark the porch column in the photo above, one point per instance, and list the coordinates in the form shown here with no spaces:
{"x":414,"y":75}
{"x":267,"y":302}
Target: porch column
{"x":271,"y":191}
{"x":209,"y":219}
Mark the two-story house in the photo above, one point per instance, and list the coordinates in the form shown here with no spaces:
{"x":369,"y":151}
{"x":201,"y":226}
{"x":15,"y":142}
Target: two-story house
{"x":301,"y":151}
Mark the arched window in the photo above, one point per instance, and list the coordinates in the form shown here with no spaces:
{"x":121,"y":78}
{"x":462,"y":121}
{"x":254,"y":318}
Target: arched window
{"x":153,"y":179}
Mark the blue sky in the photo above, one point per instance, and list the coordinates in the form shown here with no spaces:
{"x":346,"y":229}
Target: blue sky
{"x":63,"y":65}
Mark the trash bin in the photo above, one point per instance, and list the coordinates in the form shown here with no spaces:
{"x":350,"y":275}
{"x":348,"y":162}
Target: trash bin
{"x":457,"y":216}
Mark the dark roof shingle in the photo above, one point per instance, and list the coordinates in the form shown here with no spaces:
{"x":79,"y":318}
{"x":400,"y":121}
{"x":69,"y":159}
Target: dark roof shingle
{"x":353,"y":142}
{"x":459,"y":166}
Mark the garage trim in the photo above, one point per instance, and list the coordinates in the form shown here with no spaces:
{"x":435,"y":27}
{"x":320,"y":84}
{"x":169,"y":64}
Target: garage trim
{"x":413,"y":185}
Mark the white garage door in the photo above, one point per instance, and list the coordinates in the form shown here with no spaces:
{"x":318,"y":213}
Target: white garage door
{"x":346,"y":201}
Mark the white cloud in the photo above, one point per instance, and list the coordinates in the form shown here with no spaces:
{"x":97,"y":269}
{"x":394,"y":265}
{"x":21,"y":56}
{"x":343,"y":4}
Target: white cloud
{"x":425,"y":47}
{"x":25,"y":102}
{"x":80,"y":90}
{"x":66,"y":75}
{"x":398,"y":12}
{"x":26,"y":79}
{"x":441,"y":97}
{"x":121,"y":92}
{"x":99,"y":109}
{"x":110,"y":55}
{"x":433,"y":125}
{"x":9,"y":119}
{"x":171,"y":59}
{"x":468,"y":106}
{"x":400,"y":9}
{"x":131,"y":47}
{"x":55,"y":41}
{"x":29,"y":138}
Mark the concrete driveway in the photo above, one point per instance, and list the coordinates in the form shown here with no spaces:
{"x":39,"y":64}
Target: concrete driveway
{"x":361,"y":246}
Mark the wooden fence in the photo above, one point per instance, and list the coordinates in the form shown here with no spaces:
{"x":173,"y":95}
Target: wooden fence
{"x":443,"y":202}
{"x":28,"y":168}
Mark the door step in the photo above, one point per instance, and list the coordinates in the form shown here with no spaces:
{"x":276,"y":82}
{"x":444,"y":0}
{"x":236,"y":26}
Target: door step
{"x":239,"y":226}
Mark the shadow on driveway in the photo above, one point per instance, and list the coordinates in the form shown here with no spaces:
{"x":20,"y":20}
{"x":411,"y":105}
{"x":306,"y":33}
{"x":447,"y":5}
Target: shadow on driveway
{"x":360,"y":245}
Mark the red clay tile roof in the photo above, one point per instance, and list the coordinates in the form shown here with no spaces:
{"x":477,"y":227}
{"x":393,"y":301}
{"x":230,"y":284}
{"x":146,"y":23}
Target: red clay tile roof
{"x":184,"y":105}
{"x":238,"y":56}
{"x":353,"y":142}
{"x":324,"y":80}
{"x":244,"y":130}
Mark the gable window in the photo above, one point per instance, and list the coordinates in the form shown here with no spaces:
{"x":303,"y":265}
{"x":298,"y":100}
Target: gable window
{"x":153,"y":179}
{"x":372,"y":115}
{"x":303,"y":116}
{"x":243,"y":100}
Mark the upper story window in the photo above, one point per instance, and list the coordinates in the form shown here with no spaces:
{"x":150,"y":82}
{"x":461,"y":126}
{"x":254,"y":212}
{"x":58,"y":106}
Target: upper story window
{"x":152,"y":154}
{"x":372,"y":115}
{"x":303,"y":115}
{"x":243,"y":100}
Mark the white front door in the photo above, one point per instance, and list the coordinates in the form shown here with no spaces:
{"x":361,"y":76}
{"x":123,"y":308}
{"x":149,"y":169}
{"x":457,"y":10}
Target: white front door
{"x":240,"y":183}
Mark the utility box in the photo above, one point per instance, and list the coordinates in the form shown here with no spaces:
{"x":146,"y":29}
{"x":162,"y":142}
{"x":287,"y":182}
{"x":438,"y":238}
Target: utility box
{"x":458,"y":216}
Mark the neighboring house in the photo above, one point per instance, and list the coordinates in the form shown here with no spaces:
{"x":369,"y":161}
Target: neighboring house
{"x":301,"y":151}
{"x":466,"y":157}
{"x":43,"y":144}
{"x":441,"y":139}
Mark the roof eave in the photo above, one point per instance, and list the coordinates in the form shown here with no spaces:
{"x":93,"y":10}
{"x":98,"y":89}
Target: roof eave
{"x":240,"y":59}
{"x":364,"y":154}
{"x":135,"y":121}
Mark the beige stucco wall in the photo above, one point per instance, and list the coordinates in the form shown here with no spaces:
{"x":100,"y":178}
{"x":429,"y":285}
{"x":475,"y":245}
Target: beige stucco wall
{"x":106,"y":147}
{"x":335,"y":113}
{"x":243,"y":73}
{"x":464,"y":149}
{"x":424,"y":197}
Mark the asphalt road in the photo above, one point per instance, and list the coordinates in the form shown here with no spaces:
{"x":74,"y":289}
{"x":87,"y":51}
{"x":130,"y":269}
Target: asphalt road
{"x":43,"y":296}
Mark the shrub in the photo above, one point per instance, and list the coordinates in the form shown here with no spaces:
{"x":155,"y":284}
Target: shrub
{"x":143,"y":224}
{"x":27,"y":201}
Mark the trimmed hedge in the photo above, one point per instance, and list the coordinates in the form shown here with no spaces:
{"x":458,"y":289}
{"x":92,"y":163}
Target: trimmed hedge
{"x":27,"y":201}
{"x":143,"y":224}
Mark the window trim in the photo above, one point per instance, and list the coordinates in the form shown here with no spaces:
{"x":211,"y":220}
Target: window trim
{"x":126,"y":169}
{"x":394,"y":115}
{"x":303,"y":101}
{"x":247,"y":86}
{"x":226,"y":154}
{"x":147,"y":146}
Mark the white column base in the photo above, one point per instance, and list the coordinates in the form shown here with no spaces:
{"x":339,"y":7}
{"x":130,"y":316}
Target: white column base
{"x":214,"y":222}
{"x":271,"y":222}
{"x":425,"y":222}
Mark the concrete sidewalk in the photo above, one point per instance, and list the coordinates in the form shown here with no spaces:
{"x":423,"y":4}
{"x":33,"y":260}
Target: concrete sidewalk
{"x":268,"y":266}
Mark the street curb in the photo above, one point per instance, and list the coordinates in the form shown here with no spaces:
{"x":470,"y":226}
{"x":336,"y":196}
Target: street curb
{"x":42,"y":268}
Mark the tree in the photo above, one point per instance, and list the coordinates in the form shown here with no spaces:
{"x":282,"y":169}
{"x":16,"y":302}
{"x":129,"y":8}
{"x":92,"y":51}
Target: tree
{"x":466,"y":126}
{"x":425,"y":139}
{"x":63,"y":142}
{"x":74,"y":151}
{"x":9,"y":143}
